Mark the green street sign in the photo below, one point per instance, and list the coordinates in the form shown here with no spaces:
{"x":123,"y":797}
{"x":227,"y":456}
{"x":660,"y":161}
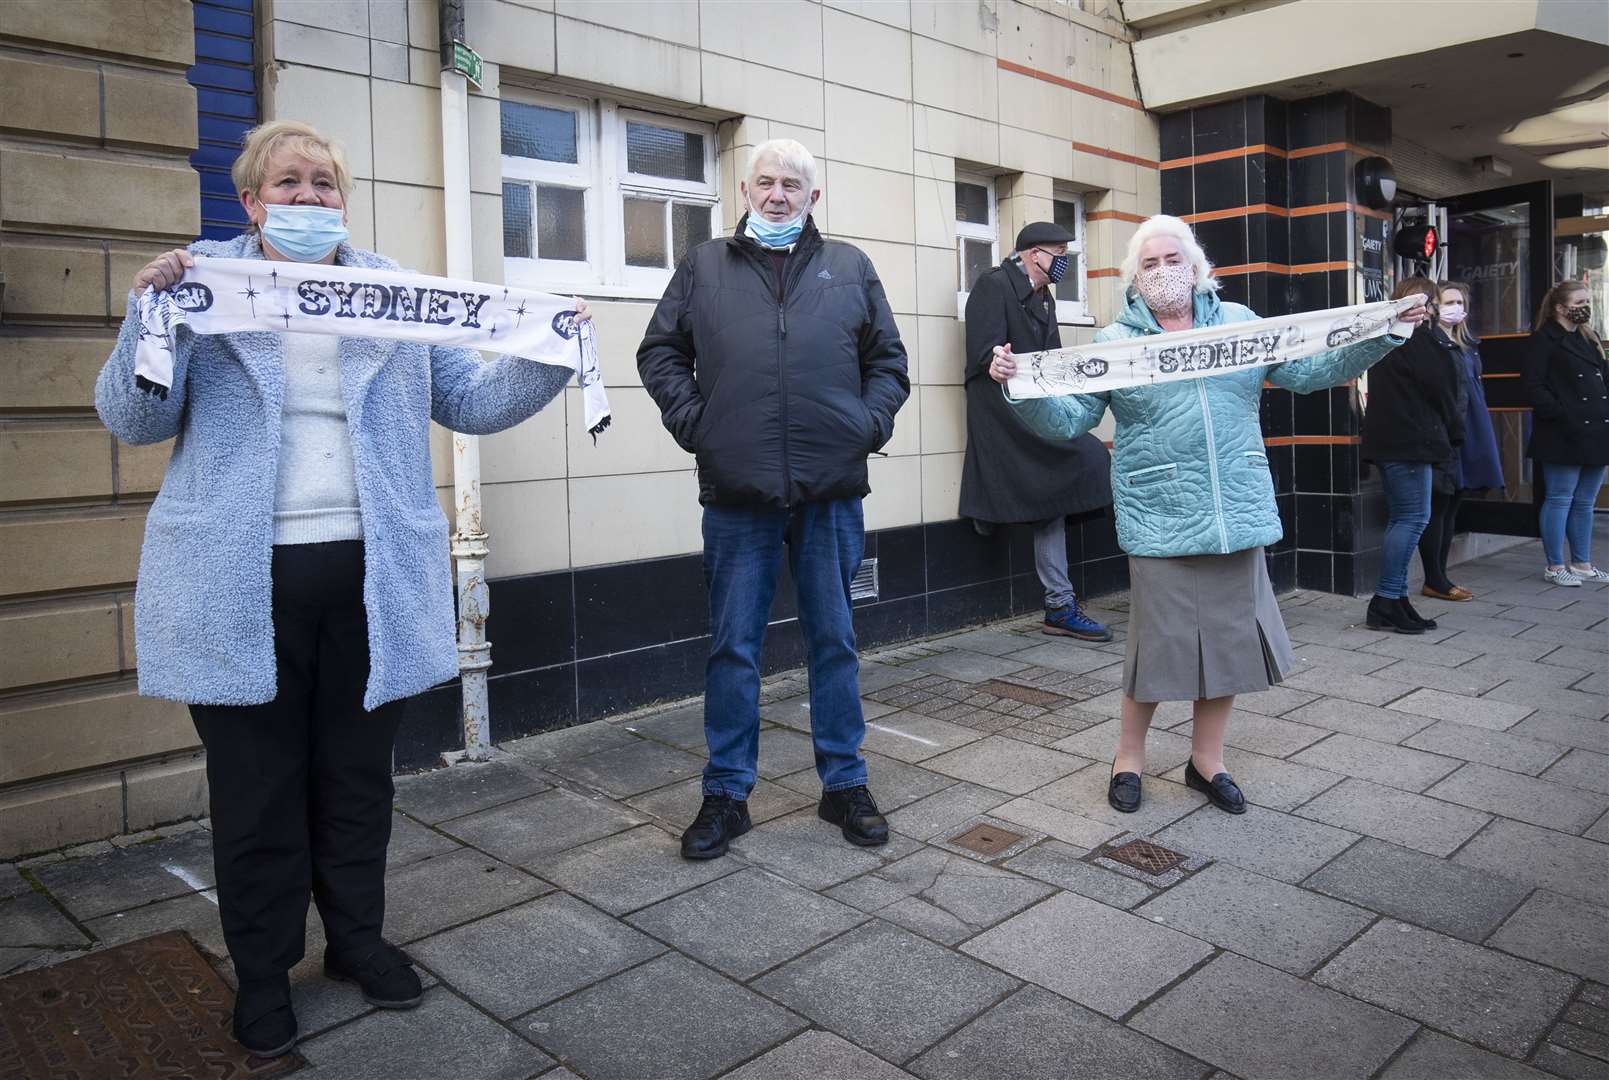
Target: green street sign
{"x":467,"y":62}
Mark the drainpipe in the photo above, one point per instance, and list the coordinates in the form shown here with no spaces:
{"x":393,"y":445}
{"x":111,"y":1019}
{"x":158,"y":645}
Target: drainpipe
{"x":469,"y":541}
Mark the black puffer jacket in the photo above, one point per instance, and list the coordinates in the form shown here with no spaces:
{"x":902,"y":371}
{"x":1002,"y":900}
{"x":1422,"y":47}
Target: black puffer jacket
{"x":1412,"y":413}
{"x":1566,"y":379}
{"x":780,"y":399}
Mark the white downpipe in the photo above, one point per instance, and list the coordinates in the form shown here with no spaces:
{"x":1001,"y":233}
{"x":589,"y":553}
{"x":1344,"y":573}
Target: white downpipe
{"x":469,"y":539}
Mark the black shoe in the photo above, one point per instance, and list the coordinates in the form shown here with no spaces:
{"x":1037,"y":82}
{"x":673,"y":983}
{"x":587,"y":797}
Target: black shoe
{"x":720,"y":821}
{"x":264,"y":1023}
{"x":855,"y":812}
{"x":382,"y":971}
{"x":1387,"y":614}
{"x":1428,"y":624}
{"x":1221,"y":790}
{"x":1124,"y":792}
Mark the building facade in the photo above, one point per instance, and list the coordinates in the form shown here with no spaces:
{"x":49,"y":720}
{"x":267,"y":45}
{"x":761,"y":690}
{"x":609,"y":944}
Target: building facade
{"x":604,"y":139}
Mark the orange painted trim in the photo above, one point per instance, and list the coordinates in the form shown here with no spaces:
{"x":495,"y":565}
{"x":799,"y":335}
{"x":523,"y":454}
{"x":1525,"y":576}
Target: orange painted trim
{"x":1319,"y":208}
{"x":1115,"y":155}
{"x":1114,"y":215}
{"x":1280,"y":211}
{"x":1510,"y":408}
{"x":1327,"y":148}
{"x":1104,"y":271}
{"x":1057,"y":80}
{"x":1501,"y":375}
{"x":1223,"y":155}
{"x":1280,"y":268}
{"x":1313,"y":440}
{"x":1495,"y":337}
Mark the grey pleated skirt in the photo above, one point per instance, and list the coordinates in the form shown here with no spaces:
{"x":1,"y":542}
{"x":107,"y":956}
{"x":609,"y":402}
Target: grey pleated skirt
{"x":1203,"y":626}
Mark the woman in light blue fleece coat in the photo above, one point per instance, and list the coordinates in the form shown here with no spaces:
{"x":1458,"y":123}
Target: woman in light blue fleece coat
{"x":1195,"y":509}
{"x":294,"y":582}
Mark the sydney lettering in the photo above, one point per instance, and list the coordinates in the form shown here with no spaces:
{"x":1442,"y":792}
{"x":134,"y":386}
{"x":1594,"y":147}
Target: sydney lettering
{"x":395,"y":303}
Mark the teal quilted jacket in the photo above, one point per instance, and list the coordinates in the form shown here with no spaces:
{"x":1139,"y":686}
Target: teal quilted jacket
{"x":1189,"y":470}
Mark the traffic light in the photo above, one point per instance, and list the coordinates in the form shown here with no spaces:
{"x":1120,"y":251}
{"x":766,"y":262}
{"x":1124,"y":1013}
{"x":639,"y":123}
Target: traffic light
{"x":1417,"y":242}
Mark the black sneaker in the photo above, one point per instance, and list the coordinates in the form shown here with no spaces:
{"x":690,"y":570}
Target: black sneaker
{"x":1386,"y":613}
{"x":382,"y":971}
{"x":720,"y":821}
{"x":855,"y":812}
{"x":1428,"y":624}
{"x":264,"y":1023}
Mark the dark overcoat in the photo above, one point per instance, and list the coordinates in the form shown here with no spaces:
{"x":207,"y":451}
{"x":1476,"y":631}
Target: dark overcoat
{"x":1011,"y":474}
{"x":1568,"y":385}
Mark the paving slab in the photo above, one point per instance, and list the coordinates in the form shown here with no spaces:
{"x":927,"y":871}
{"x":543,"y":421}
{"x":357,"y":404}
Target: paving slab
{"x":119,"y":878}
{"x":1552,"y":699}
{"x":1559,"y":931}
{"x":1035,"y":1035}
{"x":637,"y":1024}
{"x":1163,"y":749}
{"x":1582,"y":769}
{"x":1523,"y":798}
{"x":32,"y":921}
{"x":1264,"y":841}
{"x":1432,"y":1056}
{"x":25,"y":959}
{"x":908,"y":736}
{"x":1471,"y":680}
{"x":1068,"y":827}
{"x":1500,"y":748}
{"x":747,"y":923}
{"x":1005,"y":764}
{"x":444,"y":1036}
{"x":1355,"y":718}
{"x":194,"y":913}
{"x":433,"y":894}
{"x":807,"y":851}
{"x":1084,"y":793}
{"x":1265,"y":734}
{"x":1348,"y":660}
{"x":677,"y":805}
{"x":893,"y":783}
{"x":1267,"y":781}
{"x":1282,"y":1026}
{"x":1267,"y":920}
{"x":1329,"y":682}
{"x":632,"y":769}
{"x":943,"y":810}
{"x":940,"y":895}
{"x":815,"y":1055}
{"x":875,"y":676}
{"x":1418,"y":888}
{"x":1383,"y":763}
{"x":1502,"y":646}
{"x":1565,"y":864}
{"x":1063,"y":655}
{"x":1484,"y":712}
{"x":411,"y":841}
{"x":1413,"y":647}
{"x":1062,"y":865}
{"x":12,"y":883}
{"x":531,"y":831}
{"x":451,"y":792}
{"x":681,"y":727}
{"x":969,"y":666}
{"x":571,"y":742}
{"x":1071,"y":946}
{"x":886,"y":989}
{"x":631,"y":870}
{"x":516,"y":960}
{"x":1577,"y":731}
{"x":1416,"y":821}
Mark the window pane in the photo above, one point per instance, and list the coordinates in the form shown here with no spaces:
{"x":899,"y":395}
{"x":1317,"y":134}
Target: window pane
{"x":645,"y":233}
{"x":976,"y":257}
{"x":516,"y":221}
{"x":667,"y":152}
{"x":1065,"y":214}
{"x":532,"y":131}
{"x":1068,"y":287}
{"x":689,"y":227}
{"x":971,"y":203}
{"x":561,"y":224}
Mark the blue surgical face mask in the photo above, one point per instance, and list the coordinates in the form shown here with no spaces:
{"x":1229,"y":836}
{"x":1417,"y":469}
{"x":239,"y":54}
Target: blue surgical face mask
{"x":303,"y":233}
{"x":775,"y":234}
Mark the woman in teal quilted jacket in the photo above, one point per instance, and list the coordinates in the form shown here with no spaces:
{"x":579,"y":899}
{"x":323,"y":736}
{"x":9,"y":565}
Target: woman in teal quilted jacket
{"x":1195,"y":509}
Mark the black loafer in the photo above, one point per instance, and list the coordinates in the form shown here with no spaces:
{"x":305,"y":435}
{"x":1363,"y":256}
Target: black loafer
{"x":720,"y":821}
{"x":264,"y":1024}
{"x":383,"y":972}
{"x":855,"y":812}
{"x":1221,"y":790}
{"x":1124,"y":792}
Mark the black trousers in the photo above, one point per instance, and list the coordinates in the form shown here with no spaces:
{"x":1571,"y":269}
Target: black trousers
{"x":301,"y":786}
{"x":1436,"y":542}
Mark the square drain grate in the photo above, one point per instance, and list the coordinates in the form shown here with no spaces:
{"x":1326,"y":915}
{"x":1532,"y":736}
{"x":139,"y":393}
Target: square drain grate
{"x":1028,"y":695}
{"x":986,"y":839}
{"x":1143,"y":855}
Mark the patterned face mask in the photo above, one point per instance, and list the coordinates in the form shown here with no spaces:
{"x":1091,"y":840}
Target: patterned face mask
{"x":1168,"y":288}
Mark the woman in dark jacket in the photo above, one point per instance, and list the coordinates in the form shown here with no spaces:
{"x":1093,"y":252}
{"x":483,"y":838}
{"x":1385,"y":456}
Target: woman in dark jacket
{"x":1569,"y":387}
{"x":1476,"y":465}
{"x":1410,"y":425}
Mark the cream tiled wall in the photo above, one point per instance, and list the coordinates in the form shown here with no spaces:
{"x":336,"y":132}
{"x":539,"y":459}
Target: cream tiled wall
{"x":889,"y":94}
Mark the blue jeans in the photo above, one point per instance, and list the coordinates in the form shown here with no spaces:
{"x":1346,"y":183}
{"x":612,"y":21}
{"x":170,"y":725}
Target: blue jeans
{"x":1407,"y":485}
{"x":742,"y":558}
{"x":1567,"y":511}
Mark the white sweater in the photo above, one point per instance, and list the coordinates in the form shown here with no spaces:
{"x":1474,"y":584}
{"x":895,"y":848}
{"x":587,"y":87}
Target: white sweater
{"x":315,"y":491}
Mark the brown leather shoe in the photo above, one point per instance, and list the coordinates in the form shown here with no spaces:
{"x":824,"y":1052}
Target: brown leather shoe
{"x":1457,"y":592}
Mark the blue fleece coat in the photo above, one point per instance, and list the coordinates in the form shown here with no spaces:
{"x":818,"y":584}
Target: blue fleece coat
{"x":1189,"y":471}
{"x":203,"y":604}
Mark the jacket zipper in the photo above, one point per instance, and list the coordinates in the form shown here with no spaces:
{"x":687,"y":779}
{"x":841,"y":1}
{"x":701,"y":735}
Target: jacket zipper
{"x":1212,"y":468}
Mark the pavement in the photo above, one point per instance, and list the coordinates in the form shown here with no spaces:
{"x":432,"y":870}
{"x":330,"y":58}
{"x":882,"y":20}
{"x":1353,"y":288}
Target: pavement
{"x":1417,"y":891}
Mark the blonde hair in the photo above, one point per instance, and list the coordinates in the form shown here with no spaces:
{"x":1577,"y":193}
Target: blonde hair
{"x":250,"y":169}
{"x":1174,"y":229}
{"x":791,"y":155}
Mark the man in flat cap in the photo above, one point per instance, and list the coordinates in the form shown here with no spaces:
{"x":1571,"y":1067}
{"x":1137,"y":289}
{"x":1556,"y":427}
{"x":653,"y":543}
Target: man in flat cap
{"x":1011,"y":475}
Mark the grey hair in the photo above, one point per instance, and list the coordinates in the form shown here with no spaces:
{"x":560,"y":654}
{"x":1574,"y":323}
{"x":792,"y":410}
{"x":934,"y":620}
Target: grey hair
{"x":1174,"y":229}
{"x":788,"y":153}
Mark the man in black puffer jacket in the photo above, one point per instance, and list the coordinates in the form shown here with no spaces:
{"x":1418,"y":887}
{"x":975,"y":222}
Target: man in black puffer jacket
{"x":774,"y":358}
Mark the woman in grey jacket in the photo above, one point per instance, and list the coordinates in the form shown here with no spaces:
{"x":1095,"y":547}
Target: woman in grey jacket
{"x":294,"y":583}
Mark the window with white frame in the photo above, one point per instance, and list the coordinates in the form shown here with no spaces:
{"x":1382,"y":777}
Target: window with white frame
{"x":601,"y":198}
{"x":977,"y":230}
{"x":1072,"y":291}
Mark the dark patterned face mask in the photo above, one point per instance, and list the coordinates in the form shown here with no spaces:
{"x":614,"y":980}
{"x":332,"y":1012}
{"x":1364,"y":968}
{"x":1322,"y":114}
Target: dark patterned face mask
{"x":1579,"y":314}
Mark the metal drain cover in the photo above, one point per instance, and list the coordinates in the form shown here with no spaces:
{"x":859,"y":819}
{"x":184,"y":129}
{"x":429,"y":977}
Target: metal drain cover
{"x":987,"y":839}
{"x":1146,"y":856}
{"x":1028,"y":695}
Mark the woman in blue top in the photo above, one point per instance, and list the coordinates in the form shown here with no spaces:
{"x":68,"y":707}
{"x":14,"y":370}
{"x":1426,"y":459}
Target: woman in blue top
{"x":1195,"y":508}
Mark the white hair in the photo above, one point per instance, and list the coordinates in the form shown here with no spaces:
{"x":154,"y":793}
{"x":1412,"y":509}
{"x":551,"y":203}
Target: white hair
{"x":789,"y":154}
{"x":1174,"y":229}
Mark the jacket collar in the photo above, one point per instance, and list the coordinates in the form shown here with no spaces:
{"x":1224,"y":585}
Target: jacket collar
{"x":1135,"y":313}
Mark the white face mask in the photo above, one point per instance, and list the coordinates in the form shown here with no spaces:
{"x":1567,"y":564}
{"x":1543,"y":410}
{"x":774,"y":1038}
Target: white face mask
{"x":1167,"y":289}
{"x":1452,"y":314}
